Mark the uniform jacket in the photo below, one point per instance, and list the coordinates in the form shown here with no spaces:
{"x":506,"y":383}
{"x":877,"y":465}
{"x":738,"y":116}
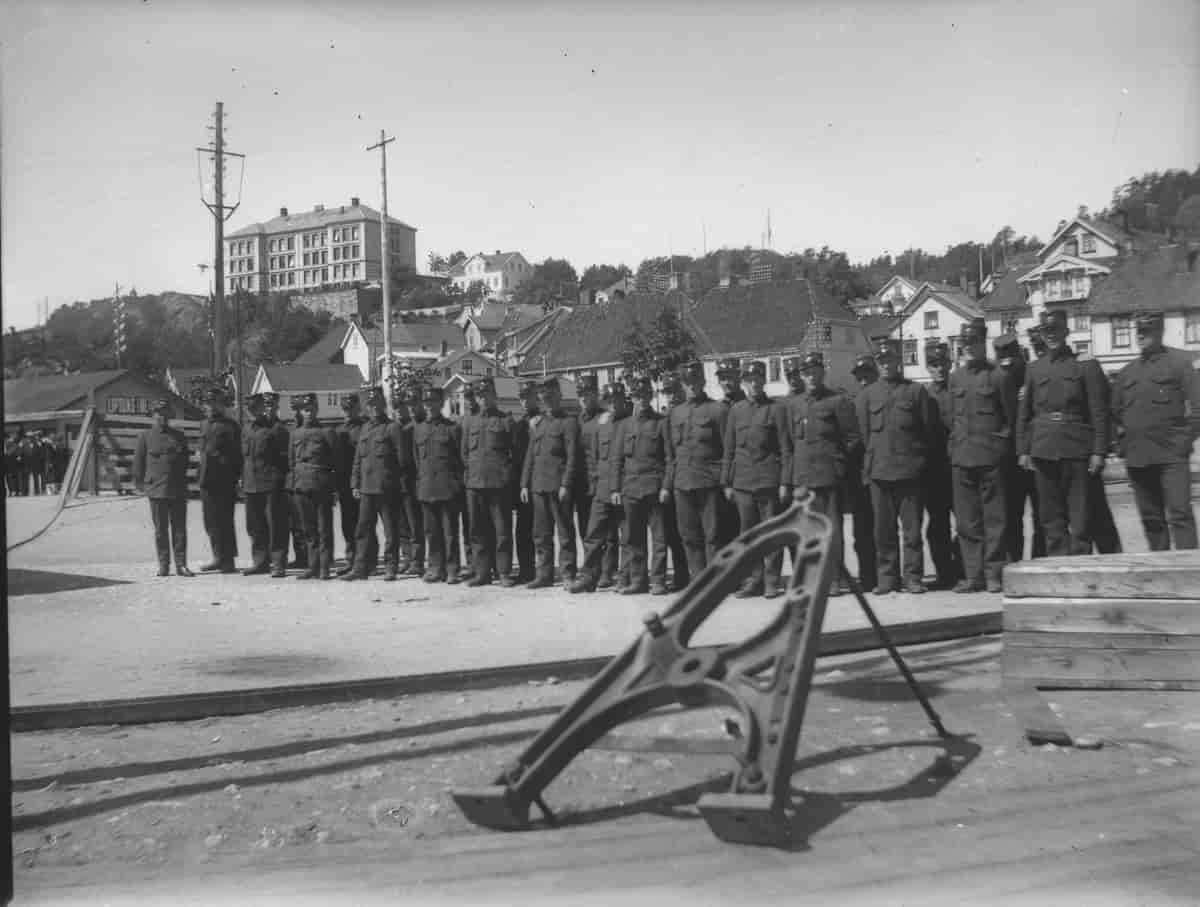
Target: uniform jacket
{"x":697,"y":436}
{"x":383,"y":461}
{"x":437,"y":443}
{"x":825,"y":436}
{"x":289,"y":480}
{"x":347,"y":436}
{"x":313,"y":459}
{"x":1156,"y":408}
{"x":265,"y":456}
{"x":220,"y":455}
{"x":897,"y":420}
{"x":160,"y":462}
{"x":757,"y":447}
{"x":641,"y":453}
{"x":982,"y":402}
{"x":554,"y":452}
{"x":1064,"y":412}
{"x":939,"y":436}
{"x":489,"y":449}
{"x":603,"y":454}
{"x":586,"y":466}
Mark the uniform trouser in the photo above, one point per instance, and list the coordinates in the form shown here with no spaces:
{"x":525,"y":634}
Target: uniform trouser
{"x":464,"y":519}
{"x":1103,"y":527}
{"x":408,"y":538}
{"x":892,"y":501}
{"x":1163,"y":495}
{"x":981,"y":512}
{"x":267,"y":526}
{"x":38,"y":478}
{"x":729,"y":522}
{"x":642,"y":514}
{"x":754,"y":507}
{"x":348,"y":517}
{"x":316,"y":515}
{"x":169,"y":516}
{"x":828,"y":500}
{"x":217,"y":507}
{"x":1063,"y":492}
{"x":1021,"y":485}
{"x":940,"y":491}
{"x":551,"y":514}
{"x":863,"y":519}
{"x":374,"y":508}
{"x":601,"y":544}
{"x":440,"y":520}
{"x":699,"y":514}
{"x":491,"y":531}
{"x":679,"y":563}
{"x":523,"y":537}
{"x":296,"y":529}
{"x":583,"y":509}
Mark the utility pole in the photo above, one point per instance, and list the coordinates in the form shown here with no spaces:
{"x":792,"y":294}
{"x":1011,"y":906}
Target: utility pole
{"x":118,"y":323}
{"x":385,"y":255}
{"x":221,"y":213}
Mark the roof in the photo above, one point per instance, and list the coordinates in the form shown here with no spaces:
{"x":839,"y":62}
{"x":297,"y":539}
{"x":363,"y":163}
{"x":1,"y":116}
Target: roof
{"x":183,"y":377}
{"x":875,"y":326}
{"x":1157,"y":280}
{"x":1008,"y":293}
{"x":424,"y":336}
{"x":285,"y":378}
{"x":452,"y":360}
{"x":502,"y":318}
{"x":326,"y":350}
{"x":494,"y":262}
{"x":47,"y":393}
{"x":765,"y":316}
{"x":311,"y":220}
{"x":912,"y":284}
{"x":951,"y":297}
{"x":1061,"y":261}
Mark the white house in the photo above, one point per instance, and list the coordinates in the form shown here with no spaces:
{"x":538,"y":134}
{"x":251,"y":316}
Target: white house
{"x":935,"y":314}
{"x":328,"y":382}
{"x":420,"y":342}
{"x":500,"y":273}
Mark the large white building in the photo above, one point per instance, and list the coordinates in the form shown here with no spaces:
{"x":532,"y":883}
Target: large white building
{"x":500,"y":273}
{"x":936,"y":313}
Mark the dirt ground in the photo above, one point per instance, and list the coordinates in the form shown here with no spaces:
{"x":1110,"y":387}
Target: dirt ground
{"x":164,"y":801}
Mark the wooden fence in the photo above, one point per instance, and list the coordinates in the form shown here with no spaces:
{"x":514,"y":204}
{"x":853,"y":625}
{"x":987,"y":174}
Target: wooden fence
{"x":116,"y":440}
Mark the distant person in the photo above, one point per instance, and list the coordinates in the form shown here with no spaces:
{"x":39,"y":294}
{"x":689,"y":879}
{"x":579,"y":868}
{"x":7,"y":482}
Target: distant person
{"x":160,"y":463}
{"x":312,"y":460}
{"x":348,"y":433}
{"x":437,"y":449}
{"x":938,"y":480}
{"x":218,"y":474}
{"x":547,"y":480}
{"x":858,"y":488}
{"x":639,"y":466}
{"x":489,"y":457}
{"x":672,"y":390}
{"x":264,"y":471}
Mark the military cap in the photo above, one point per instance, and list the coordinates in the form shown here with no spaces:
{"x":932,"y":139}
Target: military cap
{"x":1054,"y":323}
{"x":1148,"y":322}
{"x":792,"y":365}
{"x":482,"y":386}
{"x":937,"y":354}
{"x":614,"y":391}
{"x":728,"y":368}
{"x":297,"y":401}
{"x":307,"y":401}
{"x":644,"y":387}
{"x":587,"y":384}
{"x":887,"y":349}
{"x":865,"y":363}
{"x":812,"y":360}
{"x":347,"y":401}
{"x":549,"y":386}
{"x":270,"y":398}
{"x":974,"y":331}
{"x":692,"y":372}
{"x":1007,"y":348}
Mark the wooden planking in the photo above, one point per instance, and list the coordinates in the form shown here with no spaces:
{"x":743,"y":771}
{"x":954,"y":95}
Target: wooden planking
{"x":1155,"y":575}
{"x":1090,"y":615}
{"x":1131,"y":642}
{"x":1070,"y":666}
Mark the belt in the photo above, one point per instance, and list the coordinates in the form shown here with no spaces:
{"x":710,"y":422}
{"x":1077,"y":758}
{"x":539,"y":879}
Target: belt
{"x":1062,"y":417}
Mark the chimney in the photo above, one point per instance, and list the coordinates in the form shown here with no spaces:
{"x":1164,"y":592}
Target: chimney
{"x":354,"y":201}
{"x":283,"y":212}
{"x":497,"y":251}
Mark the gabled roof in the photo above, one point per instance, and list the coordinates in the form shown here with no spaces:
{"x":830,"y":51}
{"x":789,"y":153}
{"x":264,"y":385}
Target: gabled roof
{"x":47,"y":393}
{"x":414,"y":336}
{"x":1008,"y":293}
{"x":1157,"y":280}
{"x":326,"y":350}
{"x":500,"y":317}
{"x":286,"y":378}
{"x":183,"y":377}
{"x":765,"y":316}
{"x":452,"y":361}
{"x":1061,"y":261}
{"x":1110,"y":233}
{"x":911,"y":284}
{"x":952,"y":298}
{"x":876,"y":326}
{"x":313,"y":220}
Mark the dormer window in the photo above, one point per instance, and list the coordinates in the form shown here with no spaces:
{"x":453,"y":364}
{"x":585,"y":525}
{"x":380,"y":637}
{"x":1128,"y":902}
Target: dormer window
{"x":1089,"y":244}
{"x":1071,"y":246}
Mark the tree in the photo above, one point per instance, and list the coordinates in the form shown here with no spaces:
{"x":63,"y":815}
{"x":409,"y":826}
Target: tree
{"x":597,"y":277}
{"x":662,"y":347}
{"x":439,"y":263}
{"x":1187,"y":218}
{"x":552,"y":280}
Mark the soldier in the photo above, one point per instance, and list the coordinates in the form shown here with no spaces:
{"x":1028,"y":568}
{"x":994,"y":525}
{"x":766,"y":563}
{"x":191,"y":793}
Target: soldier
{"x":12,"y":457}
{"x":265,"y":450}
{"x":825,"y":438}
{"x":160,"y":472}
{"x":383,"y":457}
{"x":295,"y":517}
{"x":488,"y":453}
{"x":697,"y":431}
{"x":639,"y":467}
{"x":1062,"y":435}
{"x":600,"y":543}
{"x":938,"y":480}
{"x":1156,"y":413}
{"x":548,"y":473}
{"x":983,"y":400}
{"x":35,"y":462}
{"x":672,"y":389}
{"x":313,"y":463}
{"x":522,"y":431}
{"x":896,"y":418}
{"x":858,"y":488}
{"x":756,"y":470}
{"x":1019,"y":483}
{"x":410,"y":529}
{"x":588,"y":389}
{"x":467,"y":572}
{"x":347,"y":434}
{"x":217,"y":476}
{"x":729,"y":377}
{"x":437,"y":444}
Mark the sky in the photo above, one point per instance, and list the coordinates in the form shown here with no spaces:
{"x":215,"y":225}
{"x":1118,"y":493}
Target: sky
{"x":596,"y":132}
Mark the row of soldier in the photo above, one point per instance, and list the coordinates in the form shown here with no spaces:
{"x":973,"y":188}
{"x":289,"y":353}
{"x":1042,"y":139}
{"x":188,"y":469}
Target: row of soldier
{"x":34,"y":463}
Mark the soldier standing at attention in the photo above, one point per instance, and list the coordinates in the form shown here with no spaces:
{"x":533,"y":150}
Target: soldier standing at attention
{"x":296,"y":518}
{"x":672,"y":389}
{"x":265,"y":455}
{"x":348,"y":432}
{"x":729,"y":376}
{"x":218,"y":473}
{"x":895,"y":416}
{"x":314,"y":452}
{"x":983,"y":399}
{"x":825,"y":438}
{"x":522,"y":432}
{"x":1019,"y":483}
{"x":437,"y":443}
{"x":378,"y":463}
{"x":489,"y":459}
{"x":466,"y":571}
{"x":588,"y":389}
{"x":696,"y":431}
{"x":160,"y":472}
{"x":1156,"y":412}
{"x":413,"y":544}
{"x":547,"y":477}
{"x":756,"y":470}
{"x":639,"y":467}
{"x":1062,"y":435}
{"x":938,"y":481}
{"x":858,"y":495}
{"x":600,"y":543}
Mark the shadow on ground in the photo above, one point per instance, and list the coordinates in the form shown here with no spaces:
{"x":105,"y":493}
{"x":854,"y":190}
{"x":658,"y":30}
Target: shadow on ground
{"x":45,"y":582}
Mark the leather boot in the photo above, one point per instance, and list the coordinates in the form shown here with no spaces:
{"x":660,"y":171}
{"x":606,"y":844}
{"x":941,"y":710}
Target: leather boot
{"x":182,"y":570}
{"x":584,"y":583}
{"x":543,"y":580}
{"x":164,"y":568}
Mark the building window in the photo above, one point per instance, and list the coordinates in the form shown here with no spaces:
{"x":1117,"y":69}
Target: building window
{"x":324,"y":275}
{"x":1089,"y":244}
{"x":354,"y":232}
{"x":291,"y":261}
{"x":467,"y":366}
{"x":455,"y":407}
{"x":337,"y":235}
{"x":931,"y":320}
{"x":354,"y":269}
{"x":910,"y":352}
{"x":774,"y":368}
{"x":337,"y":253}
{"x":1071,"y":247}
{"x":1191,"y":327}
{"x":1083,"y":349}
{"x":1078,"y":290}
{"x":291,"y":278}
{"x":1120,"y":332}
{"x":487,"y":372}
{"x":1053,"y":287}
{"x":291,"y":243}
{"x":324,"y":256}
{"x":1081,"y":321}
{"x":354,"y":251}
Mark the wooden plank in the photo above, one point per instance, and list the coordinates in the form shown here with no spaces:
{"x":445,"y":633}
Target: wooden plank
{"x":1091,"y":615}
{"x":1040,"y":723}
{"x":1157,"y":574}
{"x":1074,"y":665}
{"x":1131,"y":642}
{"x":1160,"y":686}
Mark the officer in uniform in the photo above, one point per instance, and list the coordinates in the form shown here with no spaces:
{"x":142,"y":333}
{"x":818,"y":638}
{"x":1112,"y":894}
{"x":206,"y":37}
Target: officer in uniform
{"x":217,"y":476}
{"x":825,"y":438}
{"x":938,"y":481}
{"x":466,"y":571}
{"x":347,"y":433}
{"x":313,"y":464}
{"x":601,"y":551}
{"x":410,"y":529}
{"x":12,"y":456}
{"x":522,"y":431}
{"x":672,"y":389}
{"x":982,"y":402}
{"x":1019,"y":483}
{"x":299,"y":542}
{"x":756,"y":470}
{"x":1156,"y":414}
{"x":858,"y":488}
{"x":160,"y":472}
{"x":587,"y":387}
{"x":896,"y":418}
{"x":265,"y":466}
{"x":1062,"y":435}
{"x":380,"y":462}
{"x":437,"y":443}
{"x":488,"y":441}
{"x":547,"y":478}
{"x":639,"y":467}
{"x":729,"y":377}
{"x":697,"y":431}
